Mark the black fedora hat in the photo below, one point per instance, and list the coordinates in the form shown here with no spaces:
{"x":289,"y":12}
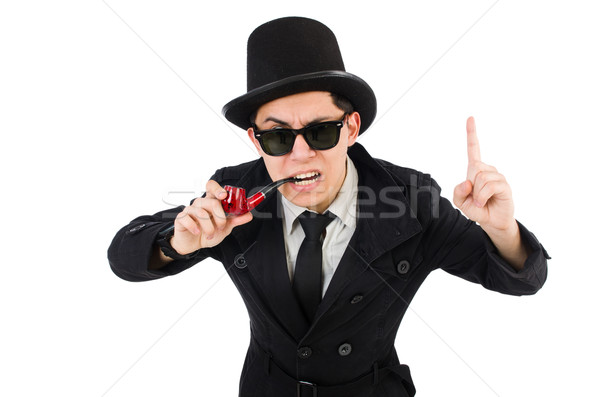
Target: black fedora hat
{"x":291,"y":55}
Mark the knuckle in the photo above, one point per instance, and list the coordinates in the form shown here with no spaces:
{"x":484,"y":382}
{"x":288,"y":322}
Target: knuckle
{"x":188,"y":223}
{"x":198,"y":202}
{"x":480,"y":178}
{"x":208,"y":227}
{"x":191,"y":211}
{"x":203,"y":213}
{"x":218,"y":209}
{"x":212,"y":185}
{"x":182,"y":214}
{"x":212,"y":205}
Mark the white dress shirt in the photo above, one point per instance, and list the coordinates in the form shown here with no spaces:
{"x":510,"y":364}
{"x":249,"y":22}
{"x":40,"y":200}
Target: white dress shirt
{"x":338,"y":232}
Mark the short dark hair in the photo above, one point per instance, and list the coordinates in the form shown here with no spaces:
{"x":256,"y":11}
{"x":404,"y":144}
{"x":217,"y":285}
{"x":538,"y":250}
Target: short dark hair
{"x":340,"y":101}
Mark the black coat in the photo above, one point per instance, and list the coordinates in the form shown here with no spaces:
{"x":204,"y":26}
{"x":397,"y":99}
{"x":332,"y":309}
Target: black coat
{"x":404,"y":230}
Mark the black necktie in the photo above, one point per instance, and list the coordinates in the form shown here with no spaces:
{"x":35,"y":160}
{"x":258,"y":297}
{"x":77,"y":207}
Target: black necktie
{"x":307,"y":276}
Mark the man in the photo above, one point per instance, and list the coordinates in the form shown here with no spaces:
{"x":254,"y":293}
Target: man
{"x":326,"y":293}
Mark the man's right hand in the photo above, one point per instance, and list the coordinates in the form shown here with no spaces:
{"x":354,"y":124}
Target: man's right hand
{"x":204,"y":224}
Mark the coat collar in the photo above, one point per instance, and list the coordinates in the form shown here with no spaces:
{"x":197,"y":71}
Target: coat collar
{"x":383,"y":209}
{"x":385,"y":220}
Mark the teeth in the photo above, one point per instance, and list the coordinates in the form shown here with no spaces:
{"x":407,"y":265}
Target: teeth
{"x":307,"y":175}
{"x":305,"y":182}
{"x":304,"y":176}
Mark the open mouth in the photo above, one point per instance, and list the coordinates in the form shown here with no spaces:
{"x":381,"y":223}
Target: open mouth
{"x":306,"y":179}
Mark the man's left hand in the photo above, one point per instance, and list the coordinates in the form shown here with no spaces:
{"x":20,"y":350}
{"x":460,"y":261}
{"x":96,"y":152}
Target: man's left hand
{"x":485,"y":197}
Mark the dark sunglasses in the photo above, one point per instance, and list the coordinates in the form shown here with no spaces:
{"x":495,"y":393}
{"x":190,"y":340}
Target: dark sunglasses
{"x":279,"y":141}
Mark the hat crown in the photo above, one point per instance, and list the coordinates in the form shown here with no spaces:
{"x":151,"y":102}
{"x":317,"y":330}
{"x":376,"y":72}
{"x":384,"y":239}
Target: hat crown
{"x":290,"y":55}
{"x":288,"y":47}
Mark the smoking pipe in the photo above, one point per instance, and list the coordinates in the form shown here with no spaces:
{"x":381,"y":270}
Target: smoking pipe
{"x":236,"y":202}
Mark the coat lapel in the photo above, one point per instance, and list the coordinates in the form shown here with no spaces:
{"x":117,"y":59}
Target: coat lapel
{"x":263,"y":245}
{"x":268,"y":265}
{"x":384,"y":222}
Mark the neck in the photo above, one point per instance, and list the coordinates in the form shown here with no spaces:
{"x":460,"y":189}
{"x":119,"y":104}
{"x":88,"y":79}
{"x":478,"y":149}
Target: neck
{"x":322,"y":207}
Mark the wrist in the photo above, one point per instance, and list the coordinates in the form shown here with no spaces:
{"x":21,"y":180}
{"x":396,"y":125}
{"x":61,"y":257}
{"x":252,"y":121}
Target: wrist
{"x":163,"y":240}
{"x":509,"y":245}
{"x":509,"y":233}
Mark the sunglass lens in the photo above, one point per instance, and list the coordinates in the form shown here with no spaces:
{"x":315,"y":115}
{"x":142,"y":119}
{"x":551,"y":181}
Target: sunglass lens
{"x":277,"y":142}
{"x":323,"y":136}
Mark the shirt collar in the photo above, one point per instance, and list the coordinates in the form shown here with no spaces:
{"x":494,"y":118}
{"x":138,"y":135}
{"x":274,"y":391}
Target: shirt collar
{"x":343,"y":206}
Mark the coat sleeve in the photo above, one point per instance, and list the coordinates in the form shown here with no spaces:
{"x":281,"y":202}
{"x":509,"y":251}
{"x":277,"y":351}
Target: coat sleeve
{"x":131,"y":248}
{"x":462,"y":248}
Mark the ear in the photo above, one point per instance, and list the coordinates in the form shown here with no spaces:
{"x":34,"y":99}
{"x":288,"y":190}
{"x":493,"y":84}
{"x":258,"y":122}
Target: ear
{"x":255,"y":141}
{"x":353,"y":124}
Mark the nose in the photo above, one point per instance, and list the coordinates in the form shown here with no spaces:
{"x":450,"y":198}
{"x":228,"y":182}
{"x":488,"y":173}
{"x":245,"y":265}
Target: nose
{"x":301,"y":150}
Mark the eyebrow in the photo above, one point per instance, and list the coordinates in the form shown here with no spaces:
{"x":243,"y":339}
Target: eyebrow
{"x":284,"y":123}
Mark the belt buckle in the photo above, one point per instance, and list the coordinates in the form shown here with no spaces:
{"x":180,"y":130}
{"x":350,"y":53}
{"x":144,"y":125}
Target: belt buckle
{"x":301,"y":384}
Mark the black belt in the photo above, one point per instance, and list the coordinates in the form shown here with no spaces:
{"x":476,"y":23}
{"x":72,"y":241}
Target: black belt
{"x":358,"y":387}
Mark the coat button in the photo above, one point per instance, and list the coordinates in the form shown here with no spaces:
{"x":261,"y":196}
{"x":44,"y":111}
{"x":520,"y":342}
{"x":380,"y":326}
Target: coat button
{"x":356,"y":299}
{"x":345,"y":349}
{"x":304,"y":352}
{"x":403,"y":266}
{"x":240,"y":261}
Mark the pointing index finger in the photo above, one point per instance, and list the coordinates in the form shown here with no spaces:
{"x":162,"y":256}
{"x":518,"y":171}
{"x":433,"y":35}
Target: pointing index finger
{"x":472,"y":142}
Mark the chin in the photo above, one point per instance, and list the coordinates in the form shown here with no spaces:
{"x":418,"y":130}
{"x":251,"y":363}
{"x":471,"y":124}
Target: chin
{"x":303,"y":199}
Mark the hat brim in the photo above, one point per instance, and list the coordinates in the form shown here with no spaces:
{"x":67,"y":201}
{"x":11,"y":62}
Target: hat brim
{"x":352,"y":87}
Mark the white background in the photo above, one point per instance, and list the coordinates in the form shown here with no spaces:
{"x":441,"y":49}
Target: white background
{"x":104,"y":111}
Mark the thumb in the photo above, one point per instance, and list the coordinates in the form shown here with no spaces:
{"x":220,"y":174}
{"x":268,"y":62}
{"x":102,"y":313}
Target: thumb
{"x":461,"y":192}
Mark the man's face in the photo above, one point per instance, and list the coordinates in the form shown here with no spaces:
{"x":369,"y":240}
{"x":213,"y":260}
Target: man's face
{"x":296,"y":111}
